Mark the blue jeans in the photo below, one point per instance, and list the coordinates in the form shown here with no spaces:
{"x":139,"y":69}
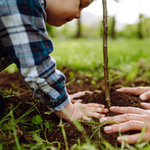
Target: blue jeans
{"x":2,"y":106}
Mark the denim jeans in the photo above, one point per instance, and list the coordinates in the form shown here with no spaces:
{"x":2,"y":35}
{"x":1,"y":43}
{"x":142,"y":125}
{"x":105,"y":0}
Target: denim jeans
{"x":2,"y":105}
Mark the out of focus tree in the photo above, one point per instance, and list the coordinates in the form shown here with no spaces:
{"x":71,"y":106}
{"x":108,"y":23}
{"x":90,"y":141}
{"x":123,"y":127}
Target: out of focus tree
{"x":140,"y":24}
{"x":131,"y":31}
{"x":112,"y":28}
{"x":112,"y":25}
{"x":78,"y":34}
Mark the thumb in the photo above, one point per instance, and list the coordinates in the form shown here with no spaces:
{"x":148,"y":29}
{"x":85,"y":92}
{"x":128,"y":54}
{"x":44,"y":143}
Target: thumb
{"x":145,"y":96}
{"x":78,"y":101}
{"x":85,"y":118}
{"x":145,"y":105}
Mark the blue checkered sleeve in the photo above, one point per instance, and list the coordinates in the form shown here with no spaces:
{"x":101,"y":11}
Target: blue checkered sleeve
{"x":24,"y":37}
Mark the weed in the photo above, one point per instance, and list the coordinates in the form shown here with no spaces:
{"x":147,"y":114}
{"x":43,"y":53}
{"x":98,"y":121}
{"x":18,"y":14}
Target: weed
{"x":10,"y":93}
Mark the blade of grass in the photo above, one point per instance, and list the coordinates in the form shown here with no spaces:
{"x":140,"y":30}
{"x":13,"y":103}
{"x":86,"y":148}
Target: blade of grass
{"x":64,"y":134}
{"x":7,"y":95}
{"x":41,"y":123}
{"x":108,"y":145}
{"x":6,"y":116}
{"x":28,"y":111}
{"x":14,"y":131}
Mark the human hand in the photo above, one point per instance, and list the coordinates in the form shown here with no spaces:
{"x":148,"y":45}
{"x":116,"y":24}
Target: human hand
{"x":77,"y":110}
{"x":84,"y":111}
{"x":77,"y":95}
{"x":133,"y":119}
{"x":143,"y":92}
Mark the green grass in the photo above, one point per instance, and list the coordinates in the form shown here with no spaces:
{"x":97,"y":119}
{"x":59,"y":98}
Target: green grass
{"x":87,"y":55}
{"x":129,"y":56}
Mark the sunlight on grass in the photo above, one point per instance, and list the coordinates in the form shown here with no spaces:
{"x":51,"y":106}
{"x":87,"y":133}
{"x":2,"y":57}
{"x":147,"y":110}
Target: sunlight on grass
{"x":130,"y":57}
{"x":87,"y":55}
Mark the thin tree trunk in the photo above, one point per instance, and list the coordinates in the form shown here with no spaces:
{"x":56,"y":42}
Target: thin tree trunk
{"x":113,"y":33}
{"x":78,"y":34}
{"x":140,"y":34}
{"x":105,"y":54}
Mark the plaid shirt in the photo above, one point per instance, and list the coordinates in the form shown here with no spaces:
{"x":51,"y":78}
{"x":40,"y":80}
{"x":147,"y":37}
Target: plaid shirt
{"x":24,"y":41}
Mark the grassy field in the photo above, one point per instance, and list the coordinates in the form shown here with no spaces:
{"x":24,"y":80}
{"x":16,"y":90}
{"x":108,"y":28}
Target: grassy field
{"x":129,"y":56}
{"x":87,"y":54}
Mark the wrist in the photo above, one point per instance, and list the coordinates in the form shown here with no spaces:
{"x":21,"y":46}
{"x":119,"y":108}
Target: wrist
{"x":66,"y":112}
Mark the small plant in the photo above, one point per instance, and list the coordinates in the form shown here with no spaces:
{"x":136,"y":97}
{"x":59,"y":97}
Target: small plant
{"x":48,"y":124}
{"x":7,"y":94}
{"x":37,"y":120}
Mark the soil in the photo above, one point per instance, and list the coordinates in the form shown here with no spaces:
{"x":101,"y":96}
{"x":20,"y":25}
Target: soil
{"x":25,"y":98}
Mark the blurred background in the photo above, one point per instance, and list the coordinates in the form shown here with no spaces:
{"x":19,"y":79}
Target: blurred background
{"x":126,"y":18}
{"x":79,"y":43}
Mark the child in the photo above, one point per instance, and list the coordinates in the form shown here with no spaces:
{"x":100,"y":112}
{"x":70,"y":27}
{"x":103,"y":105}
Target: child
{"x":24,"y":41}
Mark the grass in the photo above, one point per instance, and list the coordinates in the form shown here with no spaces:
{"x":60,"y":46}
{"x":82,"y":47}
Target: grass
{"x":86,"y":55}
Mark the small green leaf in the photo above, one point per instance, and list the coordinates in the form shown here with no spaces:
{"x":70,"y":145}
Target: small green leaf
{"x":49,"y":125}
{"x":37,"y":119}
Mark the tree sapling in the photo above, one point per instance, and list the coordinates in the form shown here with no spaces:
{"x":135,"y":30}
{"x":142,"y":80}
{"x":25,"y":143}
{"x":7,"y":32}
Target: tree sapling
{"x":105,"y":54}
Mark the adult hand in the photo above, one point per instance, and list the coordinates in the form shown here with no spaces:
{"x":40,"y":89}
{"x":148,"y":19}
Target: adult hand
{"x":132,"y":119}
{"x":78,"y":110}
{"x":143,"y":92}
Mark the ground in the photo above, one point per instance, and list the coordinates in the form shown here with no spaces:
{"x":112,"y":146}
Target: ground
{"x":75,"y":82}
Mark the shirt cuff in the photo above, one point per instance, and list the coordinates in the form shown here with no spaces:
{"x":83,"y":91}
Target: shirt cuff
{"x":53,"y":104}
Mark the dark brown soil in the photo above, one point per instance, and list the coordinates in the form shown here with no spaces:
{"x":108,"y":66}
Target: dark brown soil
{"x":81,"y":83}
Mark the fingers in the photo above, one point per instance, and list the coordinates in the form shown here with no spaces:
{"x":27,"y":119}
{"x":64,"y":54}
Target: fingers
{"x":124,"y":127}
{"x":126,"y":117}
{"x":145,"y":105}
{"x":131,"y":139}
{"x":135,"y":91}
{"x":76,"y":101}
{"x":91,"y":111}
{"x":130,"y":90}
{"x":95,"y":105}
{"x":99,"y":110}
{"x":95,"y":114}
{"x":85,"y":118}
{"x":72,"y":96}
{"x":133,"y":110}
{"x":96,"y":108}
{"x":145,"y":96}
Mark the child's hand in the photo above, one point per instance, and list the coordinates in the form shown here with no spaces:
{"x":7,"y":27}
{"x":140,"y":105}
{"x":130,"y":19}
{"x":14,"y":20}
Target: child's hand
{"x":76,"y":110}
{"x":84,"y":111}
{"x":77,"y":95}
{"x":143,"y":92}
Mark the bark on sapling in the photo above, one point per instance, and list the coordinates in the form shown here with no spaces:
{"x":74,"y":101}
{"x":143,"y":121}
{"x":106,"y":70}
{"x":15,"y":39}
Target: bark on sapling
{"x":105,"y":54}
